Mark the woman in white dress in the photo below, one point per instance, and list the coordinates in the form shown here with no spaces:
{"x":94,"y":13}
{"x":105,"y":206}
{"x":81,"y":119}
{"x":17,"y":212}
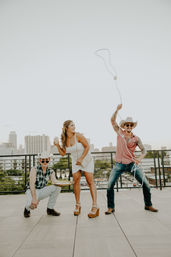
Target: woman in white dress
{"x":76,"y":144}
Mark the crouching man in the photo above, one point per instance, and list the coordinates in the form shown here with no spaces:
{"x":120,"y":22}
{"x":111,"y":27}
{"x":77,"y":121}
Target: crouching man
{"x":37,"y":189}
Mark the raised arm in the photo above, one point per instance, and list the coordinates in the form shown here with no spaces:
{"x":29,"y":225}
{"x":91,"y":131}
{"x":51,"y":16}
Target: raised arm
{"x":60,"y":149}
{"x":113,"y":118}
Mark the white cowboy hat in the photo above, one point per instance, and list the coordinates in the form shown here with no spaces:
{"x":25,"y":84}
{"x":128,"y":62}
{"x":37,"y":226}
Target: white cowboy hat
{"x":128,"y":120}
{"x":44,"y":155}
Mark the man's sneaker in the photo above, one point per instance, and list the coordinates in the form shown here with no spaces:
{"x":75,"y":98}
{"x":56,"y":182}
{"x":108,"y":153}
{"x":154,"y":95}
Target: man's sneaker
{"x":150,"y":208}
{"x":52,"y":212}
{"x":26,"y":213}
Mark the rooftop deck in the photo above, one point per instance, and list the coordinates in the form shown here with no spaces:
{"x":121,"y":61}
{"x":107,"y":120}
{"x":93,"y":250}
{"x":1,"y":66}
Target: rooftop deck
{"x":130,"y":232}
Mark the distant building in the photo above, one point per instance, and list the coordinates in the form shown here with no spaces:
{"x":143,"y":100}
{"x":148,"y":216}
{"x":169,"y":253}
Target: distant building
{"x":148,"y":147}
{"x":53,"y":149}
{"x":37,"y":144}
{"x":91,"y":147}
{"x":20,"y":150}
{"x":13,"y":139}
{"x":108,"y":148}
{"x":96,"y":150}
{"x":7,"y":149}
{"x":163,"y":147}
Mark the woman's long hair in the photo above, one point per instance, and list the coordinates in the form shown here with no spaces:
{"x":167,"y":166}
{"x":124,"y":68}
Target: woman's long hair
{"x":64,"y":133}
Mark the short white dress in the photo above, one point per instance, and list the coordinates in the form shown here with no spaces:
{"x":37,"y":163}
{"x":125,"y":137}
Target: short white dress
{"x":76,"y":152}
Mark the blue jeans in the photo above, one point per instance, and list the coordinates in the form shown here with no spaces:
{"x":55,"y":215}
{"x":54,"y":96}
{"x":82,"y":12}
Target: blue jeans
{"x":114,"y":175}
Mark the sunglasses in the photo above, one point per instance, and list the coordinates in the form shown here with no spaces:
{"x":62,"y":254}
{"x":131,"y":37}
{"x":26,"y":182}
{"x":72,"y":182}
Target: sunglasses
{"x":129,"y":125}
{"x":44,"y":161}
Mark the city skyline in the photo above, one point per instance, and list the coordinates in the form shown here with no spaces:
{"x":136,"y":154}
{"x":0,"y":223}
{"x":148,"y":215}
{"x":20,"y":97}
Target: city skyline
{"x":99,"y":146}
{"x":39,"y":143}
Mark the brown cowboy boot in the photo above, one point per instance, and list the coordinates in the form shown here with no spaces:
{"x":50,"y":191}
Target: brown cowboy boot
{"x":150,"y":208}
{"x":109,"y":211}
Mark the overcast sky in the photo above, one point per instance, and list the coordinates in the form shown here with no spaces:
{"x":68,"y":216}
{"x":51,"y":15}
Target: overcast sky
{"x":49,"y":72}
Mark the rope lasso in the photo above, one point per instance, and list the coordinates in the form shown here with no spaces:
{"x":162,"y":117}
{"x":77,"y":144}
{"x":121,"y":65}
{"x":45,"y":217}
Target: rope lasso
{"x":109,"y":67}
{"x":112,"y":71}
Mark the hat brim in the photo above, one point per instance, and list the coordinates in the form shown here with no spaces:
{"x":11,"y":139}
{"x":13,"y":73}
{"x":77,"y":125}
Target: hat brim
{"x":44,"y":156}
{"x":123,"y":124}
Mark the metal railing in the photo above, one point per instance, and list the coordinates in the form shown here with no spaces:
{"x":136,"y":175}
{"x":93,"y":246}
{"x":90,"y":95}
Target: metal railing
{"x":14,"y":170}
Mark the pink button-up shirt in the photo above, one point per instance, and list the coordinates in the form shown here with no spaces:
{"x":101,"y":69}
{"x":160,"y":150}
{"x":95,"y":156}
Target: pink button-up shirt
{"x":125,"y":150}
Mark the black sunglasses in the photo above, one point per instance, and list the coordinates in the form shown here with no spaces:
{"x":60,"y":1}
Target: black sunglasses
{"x":129,"y":125}
{"x":43,"y":161}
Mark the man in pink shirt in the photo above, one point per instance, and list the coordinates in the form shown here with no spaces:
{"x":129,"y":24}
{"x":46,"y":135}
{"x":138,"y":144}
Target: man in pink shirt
{"x":125,"y":161}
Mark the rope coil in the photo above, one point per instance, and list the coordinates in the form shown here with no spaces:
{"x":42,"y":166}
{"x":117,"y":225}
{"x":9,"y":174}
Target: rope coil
{"x":112,"y":71}
{"x":109,"y":67}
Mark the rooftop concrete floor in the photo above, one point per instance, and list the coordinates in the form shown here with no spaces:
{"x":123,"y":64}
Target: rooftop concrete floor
{"x":130,"y":232}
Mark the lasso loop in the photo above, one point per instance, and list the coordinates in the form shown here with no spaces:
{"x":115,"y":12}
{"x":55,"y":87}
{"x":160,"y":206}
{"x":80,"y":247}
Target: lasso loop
{"x":109,"y":67}
{"x":112,"y":71}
